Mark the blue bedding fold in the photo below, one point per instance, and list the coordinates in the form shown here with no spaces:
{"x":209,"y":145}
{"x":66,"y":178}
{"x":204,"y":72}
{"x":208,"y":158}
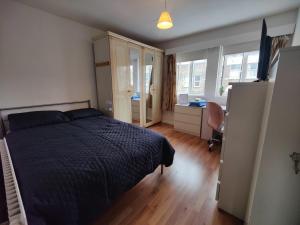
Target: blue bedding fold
{"x":69,"y":173}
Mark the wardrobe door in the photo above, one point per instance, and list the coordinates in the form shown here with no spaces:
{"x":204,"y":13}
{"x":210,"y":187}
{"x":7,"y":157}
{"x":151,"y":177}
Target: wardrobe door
{"x":122,"y":90}
{"x":136,"y":80}
{"x":103,"y":76}
{"x":157,"y":87}
{"x":148,"y":86}
{"x":152,"y":86}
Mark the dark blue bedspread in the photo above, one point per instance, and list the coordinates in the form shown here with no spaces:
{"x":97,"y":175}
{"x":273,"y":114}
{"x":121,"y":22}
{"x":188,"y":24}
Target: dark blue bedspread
{"x":69,"y":173}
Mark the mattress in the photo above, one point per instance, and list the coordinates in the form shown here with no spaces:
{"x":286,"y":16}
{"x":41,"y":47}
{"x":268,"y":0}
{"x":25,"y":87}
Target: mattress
{"x":69,"y":173}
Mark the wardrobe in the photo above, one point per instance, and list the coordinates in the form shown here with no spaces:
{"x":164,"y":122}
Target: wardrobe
{"x":128,"y":79}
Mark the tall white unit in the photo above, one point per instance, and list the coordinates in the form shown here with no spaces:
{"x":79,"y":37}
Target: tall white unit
{"x":117,"y":60}
{"x":243,"y":119}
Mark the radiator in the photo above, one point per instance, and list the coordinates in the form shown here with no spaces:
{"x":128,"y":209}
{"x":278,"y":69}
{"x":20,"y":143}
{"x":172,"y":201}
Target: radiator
{"x":15,"y":208}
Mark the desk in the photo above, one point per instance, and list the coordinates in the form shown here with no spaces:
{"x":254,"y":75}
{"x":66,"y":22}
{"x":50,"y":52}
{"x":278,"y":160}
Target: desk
{"x":192,"y":120}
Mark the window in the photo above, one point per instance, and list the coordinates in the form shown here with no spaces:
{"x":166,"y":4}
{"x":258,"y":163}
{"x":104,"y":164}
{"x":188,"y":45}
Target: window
{"x":240,"y":67}
{"x":191,"y":77}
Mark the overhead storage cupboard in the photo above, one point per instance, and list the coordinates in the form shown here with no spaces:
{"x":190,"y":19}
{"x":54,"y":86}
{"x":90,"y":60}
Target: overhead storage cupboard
{"x":129,"y":79}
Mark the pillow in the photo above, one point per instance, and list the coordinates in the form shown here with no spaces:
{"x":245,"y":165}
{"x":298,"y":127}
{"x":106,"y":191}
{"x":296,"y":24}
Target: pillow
{"x":83,"y":113}
{"x":20,"y":121}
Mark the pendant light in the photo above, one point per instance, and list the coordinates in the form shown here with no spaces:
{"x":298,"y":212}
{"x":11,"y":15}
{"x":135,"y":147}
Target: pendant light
{"x":165,"y":20}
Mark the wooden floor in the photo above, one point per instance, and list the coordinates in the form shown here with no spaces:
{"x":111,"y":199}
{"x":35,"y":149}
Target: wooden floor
{"x":184,"y":194}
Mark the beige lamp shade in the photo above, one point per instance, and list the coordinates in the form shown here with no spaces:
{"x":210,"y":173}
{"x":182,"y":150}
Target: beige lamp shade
{"x":165,"y":21}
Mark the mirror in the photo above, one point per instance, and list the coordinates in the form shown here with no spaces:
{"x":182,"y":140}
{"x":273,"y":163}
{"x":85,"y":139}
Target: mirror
{"x":149,"y":59}
{"x":134,"y":68}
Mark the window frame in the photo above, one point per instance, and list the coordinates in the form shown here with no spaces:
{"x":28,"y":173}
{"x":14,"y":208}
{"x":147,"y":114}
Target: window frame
{"x":243,"y":71}
{"x":192,"y":77}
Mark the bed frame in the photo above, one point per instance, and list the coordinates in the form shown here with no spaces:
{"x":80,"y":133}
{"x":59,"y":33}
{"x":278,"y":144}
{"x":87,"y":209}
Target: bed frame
{"x":15,"y":207}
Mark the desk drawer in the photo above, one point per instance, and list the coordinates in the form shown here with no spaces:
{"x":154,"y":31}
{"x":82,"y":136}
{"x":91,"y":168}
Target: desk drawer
{"x":187,"y":128}
{"x":188,"y":110}
{"x":188,"y":118}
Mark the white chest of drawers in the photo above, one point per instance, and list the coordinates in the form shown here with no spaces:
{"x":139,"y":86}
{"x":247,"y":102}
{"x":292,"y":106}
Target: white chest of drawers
{"x":188,"y":119}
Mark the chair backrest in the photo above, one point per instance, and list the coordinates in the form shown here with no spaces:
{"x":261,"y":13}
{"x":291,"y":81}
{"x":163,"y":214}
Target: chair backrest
{"x":215,"y":115}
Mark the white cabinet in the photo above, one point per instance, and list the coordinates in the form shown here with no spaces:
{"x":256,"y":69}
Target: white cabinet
{"x":125,"y":69}
{"x":243,"y":119}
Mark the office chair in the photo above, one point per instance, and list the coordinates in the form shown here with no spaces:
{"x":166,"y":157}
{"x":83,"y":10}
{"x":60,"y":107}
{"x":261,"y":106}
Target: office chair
{"x":216,"y":122}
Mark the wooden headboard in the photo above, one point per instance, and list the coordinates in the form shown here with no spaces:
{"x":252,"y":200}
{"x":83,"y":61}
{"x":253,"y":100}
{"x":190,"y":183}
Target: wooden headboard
{"x":62,"y":106}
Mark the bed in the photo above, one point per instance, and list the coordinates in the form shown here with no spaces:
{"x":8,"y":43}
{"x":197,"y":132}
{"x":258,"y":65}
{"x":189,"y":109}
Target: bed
{"x":70,"y":172}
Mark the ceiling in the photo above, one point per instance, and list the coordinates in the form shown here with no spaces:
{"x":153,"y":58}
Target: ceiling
{"x":137,"y":18}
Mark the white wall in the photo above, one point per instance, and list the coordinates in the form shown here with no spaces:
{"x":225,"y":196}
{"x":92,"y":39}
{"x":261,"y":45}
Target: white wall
{"x":280,"y":24}
{"x":43,"y":58}
{"x":296,"y":39}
